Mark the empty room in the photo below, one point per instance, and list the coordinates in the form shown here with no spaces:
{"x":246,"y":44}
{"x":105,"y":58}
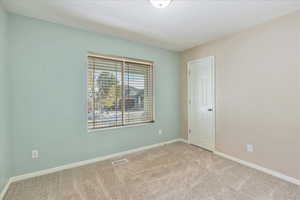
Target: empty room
{"x":149,"y":100}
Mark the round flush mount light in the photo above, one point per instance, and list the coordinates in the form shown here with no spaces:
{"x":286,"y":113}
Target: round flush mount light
{"x":160,"y":3}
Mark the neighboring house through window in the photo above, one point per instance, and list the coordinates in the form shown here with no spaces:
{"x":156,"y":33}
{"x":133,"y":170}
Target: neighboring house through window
{"x":120,"y":91}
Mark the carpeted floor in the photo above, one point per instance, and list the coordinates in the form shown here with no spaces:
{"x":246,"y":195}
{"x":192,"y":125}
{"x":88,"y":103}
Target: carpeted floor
{"x":176,"y":171}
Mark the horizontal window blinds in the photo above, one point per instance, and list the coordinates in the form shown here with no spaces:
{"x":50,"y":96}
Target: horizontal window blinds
{"x":120,"y":92}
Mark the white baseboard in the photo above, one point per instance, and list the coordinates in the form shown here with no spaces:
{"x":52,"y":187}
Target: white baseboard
{"x":85,"y":162}
{"x":183,"y":140}
{"x":5,"y":189}
{"x":257,"y":167}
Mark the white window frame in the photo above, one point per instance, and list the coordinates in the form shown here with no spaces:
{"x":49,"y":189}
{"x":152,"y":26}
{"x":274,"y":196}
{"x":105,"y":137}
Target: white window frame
{"x":120,"y":58}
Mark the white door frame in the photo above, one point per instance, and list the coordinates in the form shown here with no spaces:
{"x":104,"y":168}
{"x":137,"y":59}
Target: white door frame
{"x":212,"y":61}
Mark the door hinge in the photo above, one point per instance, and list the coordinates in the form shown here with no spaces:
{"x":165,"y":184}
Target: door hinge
{"x":190,"y":131}
{"x":189,"y":72}
{"x":190,"y":101}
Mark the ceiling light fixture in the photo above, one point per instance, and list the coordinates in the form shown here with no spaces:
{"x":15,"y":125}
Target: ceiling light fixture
{"x":160,"y":3}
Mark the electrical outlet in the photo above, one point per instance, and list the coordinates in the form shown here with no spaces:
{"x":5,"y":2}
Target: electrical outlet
{"x":35,"y":154}
{"x":160,"y":131}
{"x":249,"y":148}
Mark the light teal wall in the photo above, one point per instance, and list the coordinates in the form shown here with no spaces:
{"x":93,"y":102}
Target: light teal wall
{"x":48,"y":63}
{"x":5,"y":143}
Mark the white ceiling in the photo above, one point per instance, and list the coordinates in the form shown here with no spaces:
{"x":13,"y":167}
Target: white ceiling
{"x":182,"y":25}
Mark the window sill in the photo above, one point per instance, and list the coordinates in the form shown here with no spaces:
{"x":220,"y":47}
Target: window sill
{"x":120,"y":127}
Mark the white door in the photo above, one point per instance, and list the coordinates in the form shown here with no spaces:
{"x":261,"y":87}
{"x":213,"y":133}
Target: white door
{"x":201,"y":103}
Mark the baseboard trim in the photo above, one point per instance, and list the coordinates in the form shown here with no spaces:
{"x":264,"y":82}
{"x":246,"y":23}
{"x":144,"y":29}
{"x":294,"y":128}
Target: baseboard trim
{"x":5,"y":189}
{"x":183,"y":140}
{"x":85,"y":162}
{"x":262,"y":169}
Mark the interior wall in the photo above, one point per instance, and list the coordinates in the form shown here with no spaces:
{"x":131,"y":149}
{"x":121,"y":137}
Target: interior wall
{"x":257,"y":93}
{"x":5,"y":142}
{"x":48,"y":63}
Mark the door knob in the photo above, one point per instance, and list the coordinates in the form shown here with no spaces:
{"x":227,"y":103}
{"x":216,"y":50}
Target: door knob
{"x":210,"y":109}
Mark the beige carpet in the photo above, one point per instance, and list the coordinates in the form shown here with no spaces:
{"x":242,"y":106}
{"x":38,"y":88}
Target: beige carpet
{"x":171,"y":172}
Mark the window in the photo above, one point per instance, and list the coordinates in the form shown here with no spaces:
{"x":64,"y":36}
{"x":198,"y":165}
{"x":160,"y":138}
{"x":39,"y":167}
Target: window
{"x":120,"y":92}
